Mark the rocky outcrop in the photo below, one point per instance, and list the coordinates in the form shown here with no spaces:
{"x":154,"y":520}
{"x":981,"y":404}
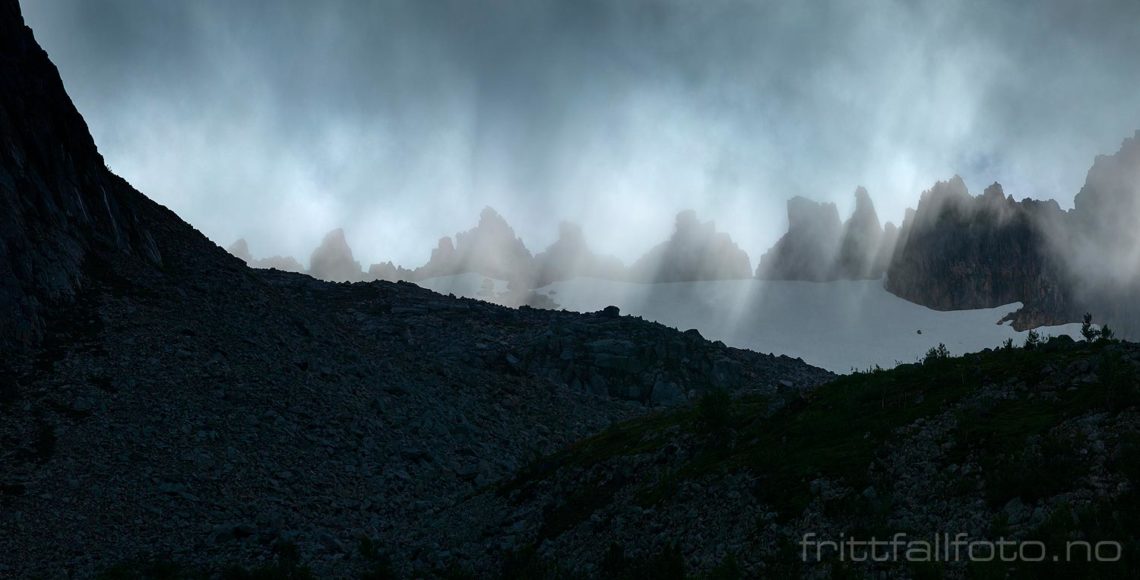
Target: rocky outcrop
{"x":333,"y":260}
{"x":860,"y":245}
{"x":887,"y":244}
{"x":808,"y":250}
{"x":63,"y":210}
{"x":571,"y":257}
{"x":695,"y":251}
{"x":958,"y":252}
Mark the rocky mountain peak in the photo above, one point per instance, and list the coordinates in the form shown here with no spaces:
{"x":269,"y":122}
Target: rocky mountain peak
{"x":240,"y":249}
{"x":808,"y":250}
{"x":571,"y":257}
{"x":333,"y":260}
{"x":695,"y":251}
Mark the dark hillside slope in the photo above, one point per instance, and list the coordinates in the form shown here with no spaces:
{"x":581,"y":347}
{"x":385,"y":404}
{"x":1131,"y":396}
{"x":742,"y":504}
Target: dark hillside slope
{"x":1035,"y":444}
{"x":167,"y":403}
{"x":59,"y":202}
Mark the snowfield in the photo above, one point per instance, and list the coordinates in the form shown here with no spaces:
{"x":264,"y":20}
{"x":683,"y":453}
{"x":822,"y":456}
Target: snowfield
{"x":840,"y":326}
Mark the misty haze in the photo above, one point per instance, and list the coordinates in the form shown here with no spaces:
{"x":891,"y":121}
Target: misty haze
{"x":569,"y":289}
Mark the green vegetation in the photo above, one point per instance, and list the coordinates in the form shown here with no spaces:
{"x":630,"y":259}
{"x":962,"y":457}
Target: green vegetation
{"x":1090,"y":334}
{"x":1087,"y":331}
{"x":1032,"y":340}
{"x":936,"y":354}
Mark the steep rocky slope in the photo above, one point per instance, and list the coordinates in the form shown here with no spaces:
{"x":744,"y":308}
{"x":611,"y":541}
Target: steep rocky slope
{"x":169,"y":403}
{"x":59,"y":202}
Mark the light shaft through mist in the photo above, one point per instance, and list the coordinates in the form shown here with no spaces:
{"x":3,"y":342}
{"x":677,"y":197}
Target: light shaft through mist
{"x":400,"y":120}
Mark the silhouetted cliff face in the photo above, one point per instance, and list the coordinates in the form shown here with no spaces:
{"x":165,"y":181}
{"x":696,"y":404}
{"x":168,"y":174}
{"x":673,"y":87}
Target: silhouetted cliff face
{"x":808,"y":250}
{"x":887,"y":244}
{"x":817,"y":248}
{"x":695,"y":251}
{"x":571,"y":257}
{"x":62,"y":207}
{"x":959,"y":252}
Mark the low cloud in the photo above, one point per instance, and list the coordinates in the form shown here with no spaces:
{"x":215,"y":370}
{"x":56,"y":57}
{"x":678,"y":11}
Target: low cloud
{"x":399,"y":121}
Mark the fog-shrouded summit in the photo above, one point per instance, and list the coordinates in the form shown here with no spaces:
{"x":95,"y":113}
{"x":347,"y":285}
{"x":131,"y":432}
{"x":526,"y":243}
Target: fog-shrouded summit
{"x":1101,"y":247}
{"x":808,"y":250}
{"x":818,"y":248}
{"x":240,"y":249}
{"x":860,"y":246}
{"x":695,"y":251}
{"x":571,"y":257}
{"x":491,"y":248}
{"x":333,"y":260}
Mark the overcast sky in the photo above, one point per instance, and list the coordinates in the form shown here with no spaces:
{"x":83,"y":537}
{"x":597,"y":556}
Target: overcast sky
{"x":279,"y":120}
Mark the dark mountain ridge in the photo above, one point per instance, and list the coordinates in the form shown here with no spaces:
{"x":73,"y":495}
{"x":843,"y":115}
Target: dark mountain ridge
{"x":958,"y":252}
{"x":60,"y":203}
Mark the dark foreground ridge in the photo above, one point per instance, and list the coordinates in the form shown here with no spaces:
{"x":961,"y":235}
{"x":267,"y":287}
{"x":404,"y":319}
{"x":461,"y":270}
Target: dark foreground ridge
{"x":1035,"y":444}
{"x":162,"y":402}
